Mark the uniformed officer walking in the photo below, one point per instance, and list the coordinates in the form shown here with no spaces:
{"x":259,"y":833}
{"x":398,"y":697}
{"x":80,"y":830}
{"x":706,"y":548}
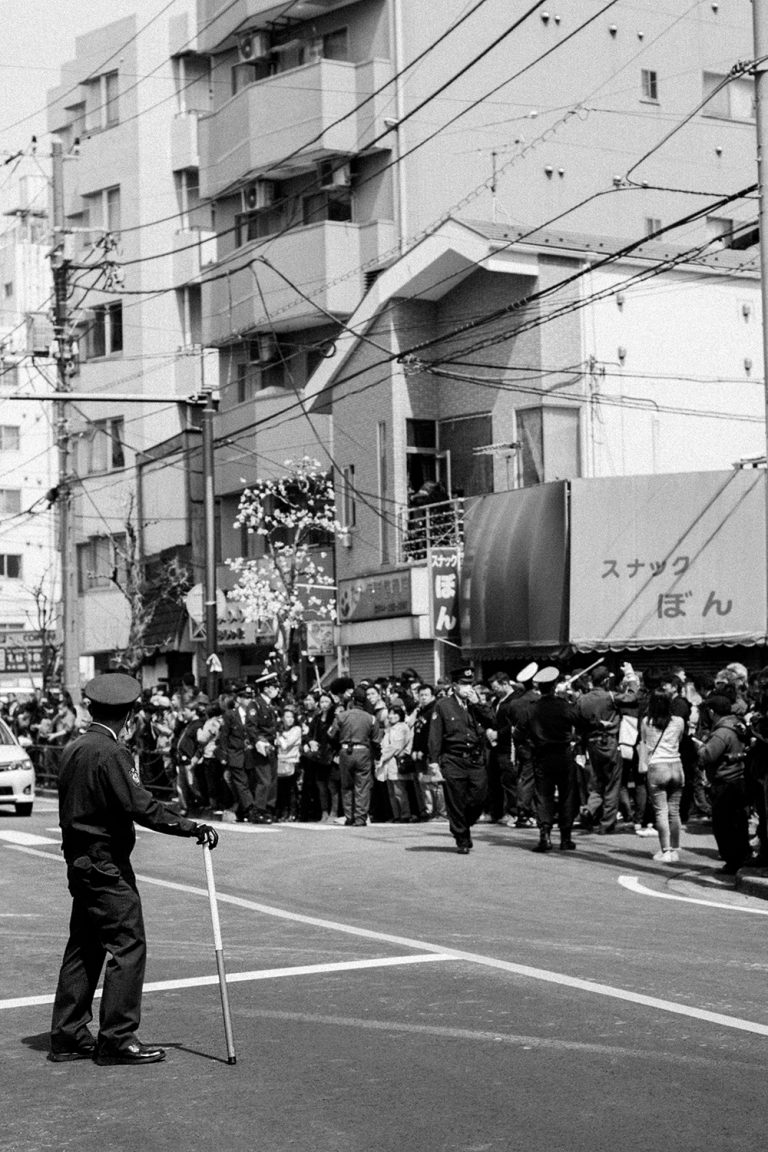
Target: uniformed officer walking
{"x":456,"y":747}
{"x":100,"y":797}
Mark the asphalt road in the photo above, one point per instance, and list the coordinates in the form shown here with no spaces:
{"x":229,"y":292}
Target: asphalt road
{"x":388,"y":994}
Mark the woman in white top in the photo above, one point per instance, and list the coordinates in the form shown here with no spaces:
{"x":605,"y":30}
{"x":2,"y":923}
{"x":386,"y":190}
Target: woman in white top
{"x":660,"y":735}
{"x":288,"y":743}
{"x":395,"y":744}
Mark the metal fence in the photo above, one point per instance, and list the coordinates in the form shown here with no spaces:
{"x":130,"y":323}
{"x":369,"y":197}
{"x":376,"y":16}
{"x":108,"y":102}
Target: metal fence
{"x":430,"y":526}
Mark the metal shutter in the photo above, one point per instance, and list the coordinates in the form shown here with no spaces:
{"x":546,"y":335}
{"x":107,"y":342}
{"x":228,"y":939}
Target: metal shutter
{"x":366,"y":661}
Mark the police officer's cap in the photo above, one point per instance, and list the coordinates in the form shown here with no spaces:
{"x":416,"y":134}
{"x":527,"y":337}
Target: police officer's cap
{"x":526,"y":674}
{"x":463,"y":676}
{"x":266,"y":676}
{"x":113,"y":690}
{"x":245,"y":690}
{"x":548,"y":675}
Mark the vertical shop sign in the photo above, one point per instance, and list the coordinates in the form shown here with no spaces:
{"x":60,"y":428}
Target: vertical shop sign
{"x":444,"y":593}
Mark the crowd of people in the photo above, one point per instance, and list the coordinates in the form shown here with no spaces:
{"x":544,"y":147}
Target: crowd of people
{"x":535,"y":749}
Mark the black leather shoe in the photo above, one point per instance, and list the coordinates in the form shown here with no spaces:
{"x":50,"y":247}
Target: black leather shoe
{"x":545,"y":842}
{"x":463,"y":849}
{"x":83,"y":1050}
{"x":131,"y":1053}
{"x":566,"y":844}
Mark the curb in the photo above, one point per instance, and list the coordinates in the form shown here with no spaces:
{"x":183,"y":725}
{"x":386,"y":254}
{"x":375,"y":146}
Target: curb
{"x":753,"y":882}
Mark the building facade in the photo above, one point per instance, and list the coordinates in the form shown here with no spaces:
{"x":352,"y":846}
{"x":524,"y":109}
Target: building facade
{"x":29,"y":586}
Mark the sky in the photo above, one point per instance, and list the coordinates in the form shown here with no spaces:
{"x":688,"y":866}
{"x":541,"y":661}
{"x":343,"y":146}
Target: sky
{"x":38,"y":37}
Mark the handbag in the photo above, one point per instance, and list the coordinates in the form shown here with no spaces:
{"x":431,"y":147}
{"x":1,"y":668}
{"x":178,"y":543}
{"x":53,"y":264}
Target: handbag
{"x":628,"y":736}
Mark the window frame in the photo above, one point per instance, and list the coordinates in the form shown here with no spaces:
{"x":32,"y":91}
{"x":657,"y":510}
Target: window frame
{"x":4,"y":573}
{"x":649,"y":85}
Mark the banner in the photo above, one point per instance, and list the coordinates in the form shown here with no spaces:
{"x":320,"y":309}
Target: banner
{"x":444,"y":593}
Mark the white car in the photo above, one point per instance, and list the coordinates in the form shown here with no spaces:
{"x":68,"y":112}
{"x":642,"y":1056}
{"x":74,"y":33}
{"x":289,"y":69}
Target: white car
{"x":17,"y":775}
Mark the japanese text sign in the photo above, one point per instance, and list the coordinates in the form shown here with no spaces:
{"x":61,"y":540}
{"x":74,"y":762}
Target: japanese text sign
{"x":375,"y":597}
{"x":444,"y":592}
{"x":658,"y":560}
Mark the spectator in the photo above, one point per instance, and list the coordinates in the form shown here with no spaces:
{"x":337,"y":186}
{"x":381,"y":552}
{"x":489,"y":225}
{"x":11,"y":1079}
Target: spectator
{"x":395,"y":746}
{"x":288,"y":745}
{"x":723,"y":757}
{"x":661,"y":733}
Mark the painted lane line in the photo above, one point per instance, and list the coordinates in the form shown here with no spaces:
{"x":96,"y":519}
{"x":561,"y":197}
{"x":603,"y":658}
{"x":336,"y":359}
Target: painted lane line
{"x":634,"y":885}
{"x":248,"y":977}
{"x":13,"y":837}
{"x":541,"y":974}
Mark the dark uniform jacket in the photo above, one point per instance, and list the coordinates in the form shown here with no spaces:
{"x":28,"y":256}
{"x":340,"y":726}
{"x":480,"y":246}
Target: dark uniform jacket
{"x":265,"y":719}
{"x":519,"y":710}
{"x":355,"y":726}
{"x":598,"y":717}
{"x":100,"y":798}
{"x":457,"y":731}
{"x":551,"y":724}
{"x":235,"y":736}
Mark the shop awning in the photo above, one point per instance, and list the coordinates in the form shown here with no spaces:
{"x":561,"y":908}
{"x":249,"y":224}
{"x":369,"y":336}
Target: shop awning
{"x":514,"y":571}
{"x":666,"y":561}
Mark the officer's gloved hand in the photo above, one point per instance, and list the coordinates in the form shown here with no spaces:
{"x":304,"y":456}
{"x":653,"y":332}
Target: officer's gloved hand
{"x":206,"y":836}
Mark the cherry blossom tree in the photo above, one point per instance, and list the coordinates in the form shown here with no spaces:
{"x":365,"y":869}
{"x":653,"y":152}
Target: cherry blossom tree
{"x":288,"y":585}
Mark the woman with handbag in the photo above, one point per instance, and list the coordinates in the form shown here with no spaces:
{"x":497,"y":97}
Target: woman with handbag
{"x":660,"y":736}
{"x":395,"y":746}
{"x":288,"y":744}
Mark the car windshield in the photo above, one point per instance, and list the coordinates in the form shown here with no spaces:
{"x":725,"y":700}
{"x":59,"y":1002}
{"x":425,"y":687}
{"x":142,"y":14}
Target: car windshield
{"x":5,"y":734}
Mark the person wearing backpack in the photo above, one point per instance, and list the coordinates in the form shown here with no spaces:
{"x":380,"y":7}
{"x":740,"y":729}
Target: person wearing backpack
{"x":723,"y":756}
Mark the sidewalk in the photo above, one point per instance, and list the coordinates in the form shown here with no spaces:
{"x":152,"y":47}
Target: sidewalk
{"x":753,"y":882}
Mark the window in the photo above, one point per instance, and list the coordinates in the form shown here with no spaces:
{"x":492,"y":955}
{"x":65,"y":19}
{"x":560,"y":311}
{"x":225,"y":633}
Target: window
{"x":424,"y":463}
{"x":102,"y":105}
{"x":649,"y":83}
{"x":190,"y":303}
{"x":335,"y":205}
{"x":470,"y":475}
{"x":652,"y":225}
{"x":101,"y":212}
{"x":549,"y":444}
{"x":193,"y":212}
{"x":8,"y":289}
{"x":10,"y":566}
{"x":9,"y":375}
{"x":9,"y":438}
{"x":99,"y":560}
{"x":381,"y":451}
{"x":348,"y":507}
{"x":735,"y":100}
{"x":10,"y":501}
{"x":105,"y":450}
{"x":332,"y":46}
{"x":105,"y":333}
{"x":191,"y":79}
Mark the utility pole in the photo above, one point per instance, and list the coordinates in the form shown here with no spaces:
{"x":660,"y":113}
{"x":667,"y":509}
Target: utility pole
{"x":760,"y":24}
{"x":212,"y":661}
{"x":63,"y":354}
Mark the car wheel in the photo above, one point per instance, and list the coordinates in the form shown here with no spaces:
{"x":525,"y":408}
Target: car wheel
{"x":23,"y":809}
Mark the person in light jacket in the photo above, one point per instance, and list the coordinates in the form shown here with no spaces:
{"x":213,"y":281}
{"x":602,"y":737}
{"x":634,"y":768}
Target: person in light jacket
{"x":395,"y":745}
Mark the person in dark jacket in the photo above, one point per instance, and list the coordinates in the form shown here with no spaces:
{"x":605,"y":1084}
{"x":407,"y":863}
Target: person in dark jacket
{"x":265,"y":721}
{"x":456,"y":747}
{"x":723,"y":756}
{"x":100,"y":797}
{"x":598,"y":721}
{"x":519,"y":711}
{"x":551,"y":731}
{"x":234,"y":748}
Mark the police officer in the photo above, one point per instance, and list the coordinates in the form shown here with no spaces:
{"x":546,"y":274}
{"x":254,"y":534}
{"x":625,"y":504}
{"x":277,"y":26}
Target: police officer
{"x":456,"y":736}
{"x":518,"y":714}
{"x":551,"y":732}
{"x":235,"y":749}
{"x":265,"y":724}
{"x":357,"y":733}
{"x":100,"y":797}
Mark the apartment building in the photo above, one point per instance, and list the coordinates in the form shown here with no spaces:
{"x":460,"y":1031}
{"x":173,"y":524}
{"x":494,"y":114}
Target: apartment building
{"x":29,"y":585}
{"x":344,"y":191}
{"x":127,"y":113}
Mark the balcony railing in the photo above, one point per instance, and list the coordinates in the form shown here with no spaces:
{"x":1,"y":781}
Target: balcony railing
{"x":430,"y":526}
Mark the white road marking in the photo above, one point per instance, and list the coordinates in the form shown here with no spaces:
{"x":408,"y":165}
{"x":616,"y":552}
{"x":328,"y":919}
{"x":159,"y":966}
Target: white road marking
{"x":525,"y":970}
{"x":12,"y":837}
{"x":634,"y":885}
{"x":247,"y":977}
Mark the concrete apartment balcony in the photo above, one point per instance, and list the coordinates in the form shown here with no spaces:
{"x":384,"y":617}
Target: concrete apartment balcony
{"x":194,"y":250}
{"x":323,"y":259}
{"x":218,"y":20}
{"x":185,"y":152}
{"x":267,"y":121}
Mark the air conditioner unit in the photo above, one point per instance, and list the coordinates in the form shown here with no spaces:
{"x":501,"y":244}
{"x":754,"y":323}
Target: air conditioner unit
{"x":334,"y":175}
{"x":259,"y":194}
{"x":254,"y":46}
{"x":263,"y":349}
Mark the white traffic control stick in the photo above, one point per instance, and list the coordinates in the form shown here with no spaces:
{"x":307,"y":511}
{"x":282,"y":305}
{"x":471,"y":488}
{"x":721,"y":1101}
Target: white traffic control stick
{"x":231,"y":1058}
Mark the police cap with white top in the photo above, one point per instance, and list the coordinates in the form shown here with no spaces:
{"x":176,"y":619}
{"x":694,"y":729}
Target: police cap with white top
{"x":526,"y":674}
{"x":548,"y":675}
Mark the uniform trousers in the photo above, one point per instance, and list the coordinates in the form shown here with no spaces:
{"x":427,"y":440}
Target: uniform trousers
{"x":106,"y":920}
{"x":356,"y":767}
{"x":465,"y":786}
{"x":555,"y":772}
{"x":240,"y":784}
{"x":605,"y":781}
{"x":265,"y":787}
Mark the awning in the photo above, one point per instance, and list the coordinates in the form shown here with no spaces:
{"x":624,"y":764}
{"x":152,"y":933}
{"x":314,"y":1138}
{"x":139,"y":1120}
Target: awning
{"x":514,"y":583}
{"x":665,"y":561}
